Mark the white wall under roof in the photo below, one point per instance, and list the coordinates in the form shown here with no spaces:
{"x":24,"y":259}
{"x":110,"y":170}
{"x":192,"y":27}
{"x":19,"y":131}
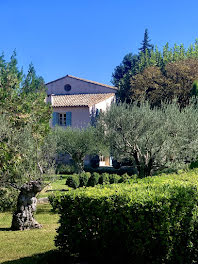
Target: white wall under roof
{"x":80,"y":115}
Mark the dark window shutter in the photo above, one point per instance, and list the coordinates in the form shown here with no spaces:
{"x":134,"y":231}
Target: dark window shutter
{"x":68,"y":118}
{"x":55,"y":118}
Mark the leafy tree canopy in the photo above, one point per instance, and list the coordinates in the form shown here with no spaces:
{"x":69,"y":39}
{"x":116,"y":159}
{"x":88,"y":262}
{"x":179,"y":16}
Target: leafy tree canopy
{"x":24,"y":123}
{"x":176,"y":80}
{"x":152,"y":138}
{"x":79,"y":143}
{"x":130,"y":63}
{"x":177,"y":57}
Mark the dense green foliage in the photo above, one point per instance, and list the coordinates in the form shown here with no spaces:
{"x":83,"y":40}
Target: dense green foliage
{"x":65,"y":169}
{"x":159,"y":81}
{"x":111,"y":170}
{"x":85,"y":179}
{"x":8,"y":198}
{"x":25,"y":147}
{"x":78,"y":143}
{"x":94,"y":179}
{"x":130,"y":65}
{"x":151,"y":220}
{"x":73,"y":181}
{"x":152,"y":138}
{"x":22,"y":157}
{"x":175,"y":80}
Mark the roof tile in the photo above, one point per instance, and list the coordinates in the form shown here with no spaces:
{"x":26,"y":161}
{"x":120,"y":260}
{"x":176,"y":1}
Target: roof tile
{"x":79,"y":99}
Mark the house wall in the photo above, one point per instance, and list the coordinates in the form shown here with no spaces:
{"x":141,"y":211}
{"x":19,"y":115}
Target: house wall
{"x":77,"y":87}
{"x":80,"y":115}
{"x":102,"y":105}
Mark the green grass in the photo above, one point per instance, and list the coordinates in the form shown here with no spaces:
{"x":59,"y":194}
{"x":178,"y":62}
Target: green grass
{"x":28,"y":246}
{"x":56,"y":185}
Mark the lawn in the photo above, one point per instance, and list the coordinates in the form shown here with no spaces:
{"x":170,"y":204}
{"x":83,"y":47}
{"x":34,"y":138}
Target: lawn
{"x":58,"y":184}
{"x":31,"y":246}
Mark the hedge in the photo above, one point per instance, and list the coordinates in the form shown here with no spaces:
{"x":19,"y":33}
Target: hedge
{"x":153,"y":220}
{"x":87,"y":179}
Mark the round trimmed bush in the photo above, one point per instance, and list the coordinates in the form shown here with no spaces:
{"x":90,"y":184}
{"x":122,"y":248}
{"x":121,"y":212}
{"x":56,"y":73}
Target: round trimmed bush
{"x":114,"y":178}
{"x":104,"y":178}
{"x":94,"y":179}
{"x":125,"y":178}
{"x":84,"y":178}
{"x":73,"y":181}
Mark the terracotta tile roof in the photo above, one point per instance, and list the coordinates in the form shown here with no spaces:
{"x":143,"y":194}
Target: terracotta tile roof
{"x":84,"y":80}
{"x":79,"y":99}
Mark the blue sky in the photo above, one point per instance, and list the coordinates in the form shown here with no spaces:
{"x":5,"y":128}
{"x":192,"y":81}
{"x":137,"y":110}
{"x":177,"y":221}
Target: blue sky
{"x":88,"y":38}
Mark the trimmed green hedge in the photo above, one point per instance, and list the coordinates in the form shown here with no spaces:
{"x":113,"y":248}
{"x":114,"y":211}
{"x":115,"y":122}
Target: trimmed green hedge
{"x":153,"y":220}
{"x":85,"y":179}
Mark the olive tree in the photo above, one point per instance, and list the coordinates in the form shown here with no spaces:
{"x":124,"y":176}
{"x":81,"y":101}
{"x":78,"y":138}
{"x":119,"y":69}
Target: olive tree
{"x":25,"y":138}
{"x":78,"y":143}
{"x":24,"y":165}
{"x":153,"y":138}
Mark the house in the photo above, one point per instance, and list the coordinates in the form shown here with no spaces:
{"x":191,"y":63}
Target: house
{"x":76,"y":102}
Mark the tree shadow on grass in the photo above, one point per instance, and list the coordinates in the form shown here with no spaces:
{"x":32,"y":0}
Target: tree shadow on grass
{"x":5,"y":229}
{"x":50,"y":257}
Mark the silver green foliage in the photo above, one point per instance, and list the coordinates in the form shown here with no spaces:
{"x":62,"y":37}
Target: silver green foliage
{"x":153,"y":138}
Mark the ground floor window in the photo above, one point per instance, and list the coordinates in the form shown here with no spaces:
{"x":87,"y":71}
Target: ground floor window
{"x":62,"y":119}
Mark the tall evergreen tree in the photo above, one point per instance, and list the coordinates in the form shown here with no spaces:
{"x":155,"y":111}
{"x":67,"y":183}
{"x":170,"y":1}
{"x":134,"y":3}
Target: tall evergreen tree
{"x":145,"y":45}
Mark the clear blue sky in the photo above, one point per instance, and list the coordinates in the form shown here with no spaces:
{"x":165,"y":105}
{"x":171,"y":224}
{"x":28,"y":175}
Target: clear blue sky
{"x":88,"y":38}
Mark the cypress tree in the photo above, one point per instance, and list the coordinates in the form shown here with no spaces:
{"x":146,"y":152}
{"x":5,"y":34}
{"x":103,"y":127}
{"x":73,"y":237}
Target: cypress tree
{"x":145,"y":45}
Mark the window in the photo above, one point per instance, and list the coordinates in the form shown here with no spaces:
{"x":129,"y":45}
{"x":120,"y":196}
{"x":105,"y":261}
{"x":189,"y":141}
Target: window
{"x":67,"y":87}
{"x":62,"y":119}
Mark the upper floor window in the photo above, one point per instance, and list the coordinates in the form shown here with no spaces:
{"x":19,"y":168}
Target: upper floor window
{"x":67,"y":87}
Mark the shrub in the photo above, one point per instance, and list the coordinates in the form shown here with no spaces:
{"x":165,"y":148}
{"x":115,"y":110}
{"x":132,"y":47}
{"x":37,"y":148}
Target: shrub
{"x":104,"y":178}
{"x":151,"y":221}
{"x":73,"y":181}
{"x":54,"y":201}
{"x":84,"y":178}
{"x":125,"y":178}
{"x":114,"y":178}
{"x":126,"y":169}
{"x":8,"y":199}
{"x":94,"y":179}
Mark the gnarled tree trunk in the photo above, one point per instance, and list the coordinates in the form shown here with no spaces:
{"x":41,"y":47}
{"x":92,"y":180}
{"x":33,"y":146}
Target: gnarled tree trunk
{"x":26,"y":206}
